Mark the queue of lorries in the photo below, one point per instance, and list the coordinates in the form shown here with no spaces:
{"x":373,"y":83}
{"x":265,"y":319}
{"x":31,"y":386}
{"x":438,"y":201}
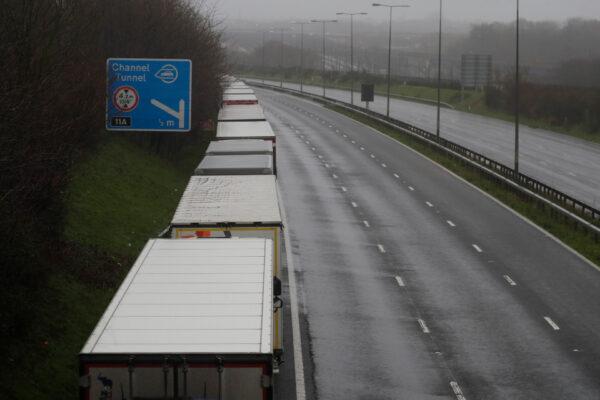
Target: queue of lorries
{"x":199,"y":315}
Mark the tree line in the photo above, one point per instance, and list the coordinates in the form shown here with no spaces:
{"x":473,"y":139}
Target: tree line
{"x":52,"y":102}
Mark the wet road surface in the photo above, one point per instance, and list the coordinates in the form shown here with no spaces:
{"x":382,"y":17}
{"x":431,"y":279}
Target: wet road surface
{"x":414,"y":285}
{"x":567,"y":163}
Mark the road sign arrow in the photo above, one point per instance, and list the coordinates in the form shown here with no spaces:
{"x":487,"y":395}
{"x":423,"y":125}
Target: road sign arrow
{"x":177,"y":114}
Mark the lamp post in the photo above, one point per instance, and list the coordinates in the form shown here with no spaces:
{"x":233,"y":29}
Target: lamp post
{"x":263,"y":56}
{"x":391,"y":7}
{"x":351,"y":51}
{"x":301,"y":53}
{"x":439,"y":83}
{"x":281,"y":57}
{"x":323,"y":21}
{"x":517,"y":97}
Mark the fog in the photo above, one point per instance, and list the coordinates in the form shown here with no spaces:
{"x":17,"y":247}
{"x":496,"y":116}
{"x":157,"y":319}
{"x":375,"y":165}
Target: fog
{"x":466,"y":10}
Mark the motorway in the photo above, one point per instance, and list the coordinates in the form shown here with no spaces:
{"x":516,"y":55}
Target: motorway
{"x":569,"y":164}
{"x":412,"y":284}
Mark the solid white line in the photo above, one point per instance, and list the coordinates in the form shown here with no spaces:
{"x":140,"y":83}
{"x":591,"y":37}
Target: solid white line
{"x":366,"y":224}
{"x":457,"y":391}
{"x":344,"y":189}
{"x":451,"y":223}
{"x":411,"y":188}
{"x":400,"y":281}
{"x":423,"y":326}
{"x":509,"y":280}
{"x":296,"y":338}
{"x":429,"y":204}
{"x":552,"y":323}
{"x":477,"y":248}
{"x":383,"y":165}
{"x":354,"y":204}
{"x":396,"y":176}
{"x":381,"y":248}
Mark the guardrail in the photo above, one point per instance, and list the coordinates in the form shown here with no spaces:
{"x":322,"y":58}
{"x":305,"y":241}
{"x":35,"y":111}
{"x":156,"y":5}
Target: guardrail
{"x":580,"y":212}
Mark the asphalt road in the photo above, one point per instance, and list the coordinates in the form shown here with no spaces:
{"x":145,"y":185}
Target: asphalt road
{"x":564,"y":162}
{"x":413,"y":284}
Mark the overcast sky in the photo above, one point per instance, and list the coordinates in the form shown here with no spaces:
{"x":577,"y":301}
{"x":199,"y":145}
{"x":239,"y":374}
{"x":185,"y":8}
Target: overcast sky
{"x":496,"y":10}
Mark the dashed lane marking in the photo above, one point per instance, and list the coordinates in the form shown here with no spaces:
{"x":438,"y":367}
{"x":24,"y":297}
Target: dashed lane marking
{"x":510,"y":281}
{"x":477,"y":248}
{"x":552,"y":323}
{"x":381,"y":248}
{"x":452,"y":224}
{"x":400,"y":281}
{"x":423,"y":325}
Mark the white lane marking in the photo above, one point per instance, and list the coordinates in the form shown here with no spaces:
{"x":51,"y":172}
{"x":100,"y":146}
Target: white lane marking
{"x":383,"y":165}
{"x":296,"y":339}
{"x":477,"y":248}
{"x":320,"y":157}
{"x":354,"y":204}
{"x":345,"y":135}
{"x":400,"y":281}
{"x":429,"y":204}
{"x":572,"y":174}
{"x":381,"y":248}
{"x":308,"y":142}
{"x":396,"y":176}
{"x":411,"y":188}
{"x":337,"y":131}
{"x":451,"y":223}
{"x":326,"y":165}
{"x":424,"y":327}
{"x":362,"y":148}
{"x":344,"y":189}
{"x":552,"y":323}
{"x":331,"y":126}
{"x":314,"y":148}
{"x":372,"y":155}
{"x":366,"y":223}
{"x":457,"y":391}
{"x":334,"y":176}
{"x":354,"y":142}
{"x":510,"y":281}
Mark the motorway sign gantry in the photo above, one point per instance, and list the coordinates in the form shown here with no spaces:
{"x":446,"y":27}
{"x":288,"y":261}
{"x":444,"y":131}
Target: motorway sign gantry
{"x":148,"y":94}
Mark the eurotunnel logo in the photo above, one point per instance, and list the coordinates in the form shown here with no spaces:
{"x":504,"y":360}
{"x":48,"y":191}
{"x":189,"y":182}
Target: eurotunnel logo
{"x":168,"y":73}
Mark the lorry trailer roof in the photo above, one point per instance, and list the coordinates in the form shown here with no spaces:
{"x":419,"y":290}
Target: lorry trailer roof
{"x":229,"y":199}
{"x":246,"y":112}
{"x":192,"y":297}
{"x":239,"y":164}
{"x":241,"y":146}
{"x":245,"y":130}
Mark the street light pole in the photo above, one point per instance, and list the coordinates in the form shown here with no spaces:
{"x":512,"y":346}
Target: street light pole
{"x":323,"y":21}
{"x":263,"y":57}
{"x":517,"y":98}
{"x":351,"y":51}
{"x":281,"y":58}
{"x":391,"y":7}
{"x":439,"y":83}
{"x":301,"y":53}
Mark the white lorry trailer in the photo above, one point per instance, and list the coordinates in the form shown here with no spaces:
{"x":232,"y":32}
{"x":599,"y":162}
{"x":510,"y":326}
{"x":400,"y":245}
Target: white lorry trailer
{"x":248,"y":112}
{"x":192,"y":319}
{"x":247,"y":164}
{"x":239,"y":147}
{"x":233,"y":206}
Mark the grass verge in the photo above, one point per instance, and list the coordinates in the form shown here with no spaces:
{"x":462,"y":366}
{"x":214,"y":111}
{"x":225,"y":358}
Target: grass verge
{"x":578,"y":239}
{"x":118,"y":198}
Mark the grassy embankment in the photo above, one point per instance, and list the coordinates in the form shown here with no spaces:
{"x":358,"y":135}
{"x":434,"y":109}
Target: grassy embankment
{"x":468,"y":101}
{"x":563,"y":229}
{"x":117,"y":199}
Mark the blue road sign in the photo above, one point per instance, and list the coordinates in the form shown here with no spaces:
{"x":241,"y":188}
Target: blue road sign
{"x":148,"y":94}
